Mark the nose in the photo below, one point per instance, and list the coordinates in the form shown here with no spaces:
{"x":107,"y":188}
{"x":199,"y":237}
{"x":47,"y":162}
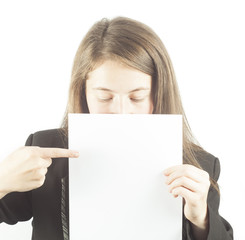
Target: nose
{"x":121,"y":106}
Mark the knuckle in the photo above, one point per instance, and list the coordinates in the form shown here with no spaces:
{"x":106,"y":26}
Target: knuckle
{"x":39,"y":174}
{"x":187,"y":168}
{"x":45,"y":171}
{"x":30,"y":152}
{"x":49,"y":162}
{"x":183,"y":179}
{"x":180,"y":181}
{"x":195,"y":201}
{"x":35,"y":148}
{"x":42,"y":172}
{"x":203,"y":192}
{"x":170,"y":179}
{"x":39,"y":163}
{"x":187,"y":171}
{"x":170,"y":188}
{"x":208,"y":183}
{"x":55,"y":152}
{"x":21,"y":148}
{"x":40,"y":182}
{"x":29,"y":155}
{"x":35,"y":151}
{"x":175,"y":191}
{"x":205,"y":174}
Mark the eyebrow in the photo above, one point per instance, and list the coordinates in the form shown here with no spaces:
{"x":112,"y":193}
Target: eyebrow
{"x":134,"y":90}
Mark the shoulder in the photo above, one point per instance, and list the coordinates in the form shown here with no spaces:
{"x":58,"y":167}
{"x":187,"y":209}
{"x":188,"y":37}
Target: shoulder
{"x":48,"y":138}
{"x":209,"y":163}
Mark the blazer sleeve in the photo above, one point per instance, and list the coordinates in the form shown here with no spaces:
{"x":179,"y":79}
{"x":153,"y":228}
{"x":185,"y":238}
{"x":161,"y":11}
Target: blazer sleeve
{"x":219,"y":228}
{"x":16,"y":206}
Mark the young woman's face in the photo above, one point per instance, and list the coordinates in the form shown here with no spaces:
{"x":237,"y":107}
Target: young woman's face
{"x":115,"y":88}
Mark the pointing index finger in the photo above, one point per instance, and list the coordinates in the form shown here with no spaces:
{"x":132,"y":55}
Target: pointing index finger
{"x":58,"y":153}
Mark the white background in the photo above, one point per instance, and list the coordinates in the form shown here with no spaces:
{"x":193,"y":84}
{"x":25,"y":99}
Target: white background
{"x":205,"y":40}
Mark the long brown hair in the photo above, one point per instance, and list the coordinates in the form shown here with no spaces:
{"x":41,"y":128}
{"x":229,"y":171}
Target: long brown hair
{"x":136,"y":45}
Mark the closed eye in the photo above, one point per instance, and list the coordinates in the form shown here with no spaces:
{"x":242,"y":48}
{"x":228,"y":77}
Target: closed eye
{"x":104,"y":99}
{"x":137,"y":99}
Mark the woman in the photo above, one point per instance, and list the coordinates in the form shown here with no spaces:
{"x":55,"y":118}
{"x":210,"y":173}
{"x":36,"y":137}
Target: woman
{"x":121,"y":66}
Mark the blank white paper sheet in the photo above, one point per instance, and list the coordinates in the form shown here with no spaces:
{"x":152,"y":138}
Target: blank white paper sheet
{"x":117,"y":189}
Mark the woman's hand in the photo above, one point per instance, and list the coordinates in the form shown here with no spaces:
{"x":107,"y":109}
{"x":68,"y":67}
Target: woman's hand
{"x":25,"y":169}
{"x":192,"y":184}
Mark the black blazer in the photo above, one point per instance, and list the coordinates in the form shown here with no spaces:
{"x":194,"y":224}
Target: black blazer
{"x":48,"y":205}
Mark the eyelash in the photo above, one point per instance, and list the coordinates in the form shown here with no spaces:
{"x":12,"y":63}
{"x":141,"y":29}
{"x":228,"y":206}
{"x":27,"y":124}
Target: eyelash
{"x":105,"y":100}
{"x":137,"y":99}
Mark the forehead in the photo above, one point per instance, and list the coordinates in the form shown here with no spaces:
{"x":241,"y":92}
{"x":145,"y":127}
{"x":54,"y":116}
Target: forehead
{"x":117,"y":76}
